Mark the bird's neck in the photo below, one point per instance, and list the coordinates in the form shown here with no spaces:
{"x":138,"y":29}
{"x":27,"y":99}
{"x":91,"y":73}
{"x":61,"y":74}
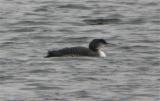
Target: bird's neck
{"x":101,"y":53}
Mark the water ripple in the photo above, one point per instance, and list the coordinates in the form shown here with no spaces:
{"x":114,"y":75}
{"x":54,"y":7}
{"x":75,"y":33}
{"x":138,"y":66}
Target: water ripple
{"x":130,"y":72}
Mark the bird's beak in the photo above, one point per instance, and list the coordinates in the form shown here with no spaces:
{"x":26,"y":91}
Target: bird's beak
{"x":109,"y":45}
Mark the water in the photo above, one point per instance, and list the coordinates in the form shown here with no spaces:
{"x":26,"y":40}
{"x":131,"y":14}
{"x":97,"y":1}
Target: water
{"x":130,"y":72}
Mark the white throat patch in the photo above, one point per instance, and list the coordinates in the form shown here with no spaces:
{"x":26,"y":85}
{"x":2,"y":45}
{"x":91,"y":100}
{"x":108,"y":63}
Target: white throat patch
{"x":101,"y":53}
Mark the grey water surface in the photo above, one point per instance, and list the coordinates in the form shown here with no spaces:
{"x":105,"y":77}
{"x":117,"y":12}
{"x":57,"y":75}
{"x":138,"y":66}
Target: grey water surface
{"x":130,"y":72}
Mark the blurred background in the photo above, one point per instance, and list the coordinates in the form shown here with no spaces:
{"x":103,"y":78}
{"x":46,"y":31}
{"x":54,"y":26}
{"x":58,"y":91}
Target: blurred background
{"x":130,"y":72}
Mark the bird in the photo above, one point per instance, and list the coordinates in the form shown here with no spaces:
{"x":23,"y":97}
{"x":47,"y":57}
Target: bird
{"x":94,"y":50}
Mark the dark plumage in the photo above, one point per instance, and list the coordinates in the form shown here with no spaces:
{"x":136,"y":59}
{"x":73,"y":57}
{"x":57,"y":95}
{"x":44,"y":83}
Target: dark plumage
{"x":93,"y":50}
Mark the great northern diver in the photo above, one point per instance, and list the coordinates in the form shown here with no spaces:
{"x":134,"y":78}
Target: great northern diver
{"x":94,"y":50}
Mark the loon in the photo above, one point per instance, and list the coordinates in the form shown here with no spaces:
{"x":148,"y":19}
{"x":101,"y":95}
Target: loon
{"x":94,"y":50}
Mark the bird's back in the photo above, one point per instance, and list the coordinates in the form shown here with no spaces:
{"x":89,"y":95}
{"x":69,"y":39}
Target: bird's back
{"x":73,"y":51}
